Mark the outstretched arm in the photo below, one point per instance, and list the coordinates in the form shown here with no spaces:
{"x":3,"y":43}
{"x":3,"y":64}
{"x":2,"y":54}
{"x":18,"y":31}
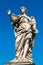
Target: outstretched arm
{"x":13,"y":17}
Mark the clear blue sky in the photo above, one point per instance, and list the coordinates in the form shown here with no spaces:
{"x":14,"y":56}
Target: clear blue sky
{"x":7,"y":38}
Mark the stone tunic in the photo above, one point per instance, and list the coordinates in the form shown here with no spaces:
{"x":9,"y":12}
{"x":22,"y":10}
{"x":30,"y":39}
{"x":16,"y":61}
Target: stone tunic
{"x":23,"y":33}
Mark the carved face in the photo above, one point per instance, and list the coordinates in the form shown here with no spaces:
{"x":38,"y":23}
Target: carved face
{"x":23,"y":10}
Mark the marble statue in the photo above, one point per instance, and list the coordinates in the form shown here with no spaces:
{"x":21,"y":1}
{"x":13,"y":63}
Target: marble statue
{"x":25,"y":31}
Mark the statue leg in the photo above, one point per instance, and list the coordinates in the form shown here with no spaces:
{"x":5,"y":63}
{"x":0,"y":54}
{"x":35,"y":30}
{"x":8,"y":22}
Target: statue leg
{"x":19,"y":48}
{"x":26,"y":48}
{"x":27,"y":43}
{"x":22,"y":42}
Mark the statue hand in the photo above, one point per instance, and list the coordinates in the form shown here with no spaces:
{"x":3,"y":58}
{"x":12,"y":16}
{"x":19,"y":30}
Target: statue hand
{"x":9,"y":12}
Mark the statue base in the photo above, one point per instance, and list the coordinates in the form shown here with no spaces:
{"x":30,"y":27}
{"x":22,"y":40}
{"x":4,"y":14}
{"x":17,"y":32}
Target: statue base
{"x":19,"y":63}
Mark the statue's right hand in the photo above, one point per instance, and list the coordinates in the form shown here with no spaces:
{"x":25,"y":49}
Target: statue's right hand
{"x":9,"y":12}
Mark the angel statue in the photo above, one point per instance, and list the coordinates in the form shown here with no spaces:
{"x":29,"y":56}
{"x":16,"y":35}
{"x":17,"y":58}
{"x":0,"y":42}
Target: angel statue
{"x":25,"y":31}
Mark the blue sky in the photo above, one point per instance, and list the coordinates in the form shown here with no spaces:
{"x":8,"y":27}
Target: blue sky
{"x":7,"y":37}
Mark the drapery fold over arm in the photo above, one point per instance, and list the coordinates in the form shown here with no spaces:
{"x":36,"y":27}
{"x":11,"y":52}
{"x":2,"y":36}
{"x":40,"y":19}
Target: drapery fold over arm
{"x":14,"y":19}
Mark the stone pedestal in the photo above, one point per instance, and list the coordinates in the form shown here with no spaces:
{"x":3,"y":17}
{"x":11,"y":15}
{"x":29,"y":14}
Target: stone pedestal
{"x":19,"y":63}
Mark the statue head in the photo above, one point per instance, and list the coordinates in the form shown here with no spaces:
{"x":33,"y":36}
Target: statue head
{"x":23,"y":10}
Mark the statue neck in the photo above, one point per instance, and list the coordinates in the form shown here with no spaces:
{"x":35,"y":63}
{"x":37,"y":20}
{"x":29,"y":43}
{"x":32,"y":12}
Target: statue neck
{"x":23,"y":13}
